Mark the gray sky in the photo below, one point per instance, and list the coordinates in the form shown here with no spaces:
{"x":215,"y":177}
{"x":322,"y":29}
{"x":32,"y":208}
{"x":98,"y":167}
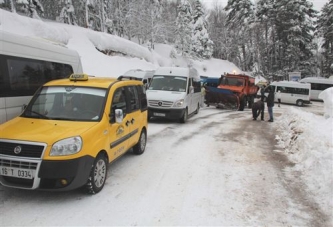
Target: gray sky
{"x":318,"y":4}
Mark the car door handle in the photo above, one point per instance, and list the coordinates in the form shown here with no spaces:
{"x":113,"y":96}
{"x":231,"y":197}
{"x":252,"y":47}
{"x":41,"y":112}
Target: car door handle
{"x":132,"y":121}
{"x":127,"y":123}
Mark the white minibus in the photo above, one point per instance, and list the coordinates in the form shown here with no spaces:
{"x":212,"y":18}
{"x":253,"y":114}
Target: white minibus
{"x":174,"y":93}
{"x":292,"y":92}
{"x":318,"y":84}
{"x":26,"y":63}
{"x":144,"y":75}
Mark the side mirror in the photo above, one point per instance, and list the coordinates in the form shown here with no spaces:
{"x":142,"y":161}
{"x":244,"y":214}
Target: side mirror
{"x":191,"y":89}
{"x":119,"y":115}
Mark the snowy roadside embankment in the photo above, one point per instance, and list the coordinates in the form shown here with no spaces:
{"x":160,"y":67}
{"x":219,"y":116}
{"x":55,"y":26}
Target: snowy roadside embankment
{"x":306,"y":139}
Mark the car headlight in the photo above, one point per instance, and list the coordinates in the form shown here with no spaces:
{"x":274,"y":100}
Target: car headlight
{"x":179,"y":103}
{"x":66,"y":146}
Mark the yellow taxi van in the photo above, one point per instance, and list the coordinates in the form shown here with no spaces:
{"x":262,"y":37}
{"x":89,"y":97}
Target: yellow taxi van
{"x":70,"y":131}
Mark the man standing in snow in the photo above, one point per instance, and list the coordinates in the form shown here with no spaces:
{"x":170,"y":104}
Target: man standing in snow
{"x":258,"y":108}
{"x":278,"y":96}
{"x":270,"y":103}
{"x":262,"y":93}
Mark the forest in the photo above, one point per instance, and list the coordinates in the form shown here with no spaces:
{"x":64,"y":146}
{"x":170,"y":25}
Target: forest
{"x":269,"y":38}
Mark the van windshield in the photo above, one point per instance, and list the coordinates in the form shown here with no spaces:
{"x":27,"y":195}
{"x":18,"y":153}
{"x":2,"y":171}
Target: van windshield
{"x":67,"y":103}
{"x":168,"y":83}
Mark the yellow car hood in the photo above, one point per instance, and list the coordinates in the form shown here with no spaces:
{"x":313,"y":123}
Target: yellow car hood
{"x":41,"y":130}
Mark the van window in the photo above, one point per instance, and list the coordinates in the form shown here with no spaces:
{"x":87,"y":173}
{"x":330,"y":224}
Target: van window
{"x":197,"y":86}
{"x":168,"y":83}
{"x":134,"y":98}
{"x":320,"y":87}
{"x":143,"y":98}
{"x":25,"y":76}
{"x":293,"y":90}
{"x":118,"y":102}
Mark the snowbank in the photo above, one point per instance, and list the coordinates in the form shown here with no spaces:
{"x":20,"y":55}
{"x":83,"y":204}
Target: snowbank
{"x":307,"y":140}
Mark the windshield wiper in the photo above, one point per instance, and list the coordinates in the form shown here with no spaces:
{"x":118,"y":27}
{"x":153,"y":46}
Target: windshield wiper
{"x":38,"y":114}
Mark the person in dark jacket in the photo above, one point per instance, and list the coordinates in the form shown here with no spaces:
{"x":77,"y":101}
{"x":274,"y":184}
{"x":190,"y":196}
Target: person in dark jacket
{"x":262,"y":93}
{"x":270,"y":103}
{"x":258,"y":108}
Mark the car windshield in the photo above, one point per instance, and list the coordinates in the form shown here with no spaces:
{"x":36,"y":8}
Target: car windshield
{"x":168,"y":83}
{"x":67,"y":103}
{"x":232,"y":81}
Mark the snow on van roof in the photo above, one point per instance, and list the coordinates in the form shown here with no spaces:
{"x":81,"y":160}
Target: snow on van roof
{"x":317,"y":79}
{"x":179,"y":71}
{"x":139,"y":73}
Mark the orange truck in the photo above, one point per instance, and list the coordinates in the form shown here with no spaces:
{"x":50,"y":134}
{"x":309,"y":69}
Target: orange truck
{"x":234,"y":91}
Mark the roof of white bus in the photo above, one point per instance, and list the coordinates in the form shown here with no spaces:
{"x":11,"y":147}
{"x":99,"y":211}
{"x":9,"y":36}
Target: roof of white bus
{"x":291,"y":84}
{"x":174,"y":71}
{"x":316,"y":80}
{"x":24,"y":46}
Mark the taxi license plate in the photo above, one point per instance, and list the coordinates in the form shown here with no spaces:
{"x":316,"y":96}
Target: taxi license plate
{"x":159,"y":114}
{"x":16,"y":172}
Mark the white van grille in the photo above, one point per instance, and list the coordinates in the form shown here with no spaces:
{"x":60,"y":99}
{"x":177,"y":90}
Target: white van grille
{"x":159,"y":103}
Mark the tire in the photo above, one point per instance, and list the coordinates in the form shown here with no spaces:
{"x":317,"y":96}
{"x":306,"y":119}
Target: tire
{"x":97,"y":175}
{"x":140,"y":147}
{"x":197,"y":110}
{"x":299,"y":102}
{"x":183,"y":119}
{"x":242,"y":104}
{"x":251,"y":102}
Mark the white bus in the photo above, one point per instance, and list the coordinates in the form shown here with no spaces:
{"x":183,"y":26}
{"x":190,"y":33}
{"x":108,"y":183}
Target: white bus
{"x":27,"y":63}
{"x":291,"y":92}
{"x":174,"y":93}
{"x":318,"y":84}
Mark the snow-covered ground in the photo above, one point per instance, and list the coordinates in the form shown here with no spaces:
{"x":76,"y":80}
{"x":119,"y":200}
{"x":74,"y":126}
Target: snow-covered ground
{"x":305,"y":137}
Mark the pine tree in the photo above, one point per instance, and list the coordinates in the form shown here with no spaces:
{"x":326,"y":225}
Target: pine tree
{"x":184,"y":29}
{"x":201,"y":44}
{"x":31,"y":7}
{"x":325,"y":28}
{"x":294,"y":28}
{"x":67,"y":14}
{"x":240,"y":15}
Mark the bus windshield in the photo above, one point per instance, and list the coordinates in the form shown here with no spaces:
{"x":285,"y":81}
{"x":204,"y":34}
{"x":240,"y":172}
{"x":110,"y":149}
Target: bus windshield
{"x":168,"y":83}
{"x":67,"y":103}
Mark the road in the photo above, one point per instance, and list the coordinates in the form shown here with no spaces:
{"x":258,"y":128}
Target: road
{"x":220,"y":168}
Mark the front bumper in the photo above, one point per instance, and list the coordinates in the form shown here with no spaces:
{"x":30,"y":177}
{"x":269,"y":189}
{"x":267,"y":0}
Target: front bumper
{"x":52,"y":175}
{"x":166,"y":113}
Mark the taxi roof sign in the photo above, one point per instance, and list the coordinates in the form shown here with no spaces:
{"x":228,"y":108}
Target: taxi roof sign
{"x":78,"y":77}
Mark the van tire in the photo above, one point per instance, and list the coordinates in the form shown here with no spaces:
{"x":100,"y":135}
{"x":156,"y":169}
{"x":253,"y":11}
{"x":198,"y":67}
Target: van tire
{"x":299,"y":102}
{"x":140,"y":147}
{"x":183,"y":119}
{"x":97,"y":175}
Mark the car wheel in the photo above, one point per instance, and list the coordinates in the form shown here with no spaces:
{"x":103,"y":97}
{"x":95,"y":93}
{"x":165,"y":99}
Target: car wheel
{"x":97,"y":175}
{"x":183,"y":119}
{"x":241,"y":104}
{"x":140,"y":147}
{"x":299,"y":102}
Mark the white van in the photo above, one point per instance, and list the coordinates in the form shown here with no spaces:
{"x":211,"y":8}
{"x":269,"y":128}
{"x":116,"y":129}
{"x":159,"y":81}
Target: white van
{"x":318,"y":84}
{"x":144,"y":75}
{"x":27,"y":63}
{"x":291,"y":92}
{"x":174,"y":93}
